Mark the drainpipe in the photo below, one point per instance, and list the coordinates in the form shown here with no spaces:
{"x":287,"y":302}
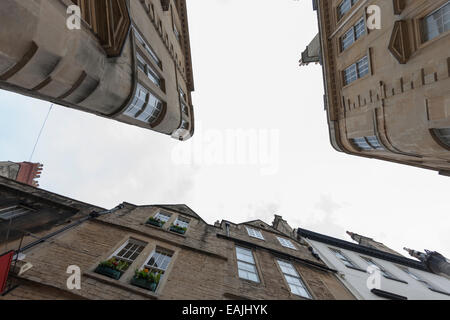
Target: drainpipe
{"x":227,"y":227}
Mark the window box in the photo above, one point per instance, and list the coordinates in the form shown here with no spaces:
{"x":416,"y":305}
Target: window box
{"x":109,"y":272}
{"x":146,"y":279}
{"x":178,"y":229}
{"x":155,"y":222}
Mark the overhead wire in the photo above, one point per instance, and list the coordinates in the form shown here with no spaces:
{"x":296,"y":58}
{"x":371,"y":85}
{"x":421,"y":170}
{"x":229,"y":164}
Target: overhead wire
{"x":40,"y":132}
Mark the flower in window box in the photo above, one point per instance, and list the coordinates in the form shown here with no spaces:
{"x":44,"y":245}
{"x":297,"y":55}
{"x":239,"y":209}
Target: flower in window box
{"x":146,"y":279}
{"x":112,"y":268}
{"x":155,"y":222}
{"x":178,"y":229}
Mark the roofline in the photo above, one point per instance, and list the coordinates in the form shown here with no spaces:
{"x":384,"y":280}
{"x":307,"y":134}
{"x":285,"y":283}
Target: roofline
{"x":41,"y":193}
{"x":361,"y":249}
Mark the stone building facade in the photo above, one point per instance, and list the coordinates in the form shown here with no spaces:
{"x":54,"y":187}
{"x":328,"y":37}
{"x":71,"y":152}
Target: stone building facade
{"x":129,"y":61}
{"x":251,"y":260}
{"x":387,"y":90}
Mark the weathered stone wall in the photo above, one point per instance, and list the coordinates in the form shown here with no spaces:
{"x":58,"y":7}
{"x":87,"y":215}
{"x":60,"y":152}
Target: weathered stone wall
{"x":203,"y":264}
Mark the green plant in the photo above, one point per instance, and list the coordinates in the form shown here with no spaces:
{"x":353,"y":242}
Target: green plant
{"x":147,"y":275}
{"x":152,"y":219}
{"x":115,"y":264}
{"x":177,"y":227}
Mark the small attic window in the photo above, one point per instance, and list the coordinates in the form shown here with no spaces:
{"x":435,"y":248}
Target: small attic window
{"x":262,"y":226}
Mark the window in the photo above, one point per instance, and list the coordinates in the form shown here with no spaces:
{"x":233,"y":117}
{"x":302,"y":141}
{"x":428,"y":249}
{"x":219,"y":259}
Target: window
{"x":129,"y":252}
{"x":286,"y":243}
{"x":246,"y":264}
{"x":162,"y":216}
{"x":416,"y":277}
{"x":382,"y":270}
{"x":180,"y":225}
{"x":345,"y":7}
{"x":13,"y":212}
{"x":353,"y":34}
{"x":436,"y":23}
{"x":254,"y":233}
{"x":184,"y":125}
{"x":158,"y":262}
{"x":443,"y":135}
{"x":293,"y":279}
{"x":345,"y":260}
{"x":367,"y":143}
{"x":147,"y":48}
{"x":147,"y":69}
{"x":182,"y":94}
{"x":184,"y":109}
{"x":356,"y":70}
{"x":177,"y":34}
{"x":145,"y":106}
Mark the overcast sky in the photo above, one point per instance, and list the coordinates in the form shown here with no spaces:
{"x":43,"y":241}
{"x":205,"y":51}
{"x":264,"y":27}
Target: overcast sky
{"x":245,"y":61}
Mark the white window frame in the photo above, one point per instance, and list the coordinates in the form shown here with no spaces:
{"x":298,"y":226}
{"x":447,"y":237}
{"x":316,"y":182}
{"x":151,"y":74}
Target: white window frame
{"x":293,"y":279}
{"x":286,"y":243}
{"x":383,"y":271}
{"x":182,"y":222}
{"x":133,"y":242}
{"x":163,"y":216}
{"x":344,"y":258}
{"x":254,"y":233}
{"x":165,"y":255}
{"x":246,"y":264}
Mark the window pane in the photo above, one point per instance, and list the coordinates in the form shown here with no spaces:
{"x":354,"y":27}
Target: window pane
{"x":362,"y":143}
{"x":255,"y":233}
{"x":348,"y":38}
{"x":363,"y":67}
{"x":163,"y":217}
{"x":436,"y":23}
{"x":375,"y":143}
{"x":246,"y":267}
{"x":344,"y":7}
{"x":360,"y":29}
{"x":299,"y":291}
{"x":350,"y":74}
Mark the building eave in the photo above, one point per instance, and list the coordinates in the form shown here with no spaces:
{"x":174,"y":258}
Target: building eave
{"x":361,"y":249}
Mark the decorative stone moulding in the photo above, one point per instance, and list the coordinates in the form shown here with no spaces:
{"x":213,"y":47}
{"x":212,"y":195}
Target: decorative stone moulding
{"x":399,"y":45}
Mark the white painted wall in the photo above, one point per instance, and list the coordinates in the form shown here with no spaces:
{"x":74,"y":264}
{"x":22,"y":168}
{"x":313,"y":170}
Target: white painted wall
{"x":356,"y":281}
